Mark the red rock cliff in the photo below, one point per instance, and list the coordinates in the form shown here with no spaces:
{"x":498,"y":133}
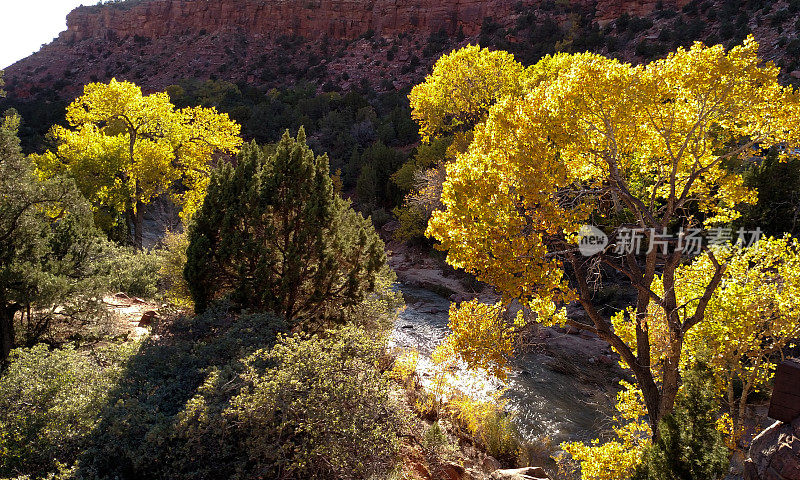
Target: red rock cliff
{"x":338,"y":19}
{"x":156,"y":43}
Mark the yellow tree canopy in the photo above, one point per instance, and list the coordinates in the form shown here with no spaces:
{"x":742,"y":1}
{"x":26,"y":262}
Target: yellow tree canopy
{"x":751,"y":317}
{"x":462,"y":87}
{"x":658,"y":134}
{"x":124,"y":148}
{"x":595,"y":140}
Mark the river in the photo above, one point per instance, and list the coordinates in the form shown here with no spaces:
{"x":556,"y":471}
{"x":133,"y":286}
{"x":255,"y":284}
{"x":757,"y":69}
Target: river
{"x":545,"y":403}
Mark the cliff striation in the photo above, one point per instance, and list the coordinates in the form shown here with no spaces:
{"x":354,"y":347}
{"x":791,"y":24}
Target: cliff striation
{"x":274,"y":42}
{"x":313,"y":19}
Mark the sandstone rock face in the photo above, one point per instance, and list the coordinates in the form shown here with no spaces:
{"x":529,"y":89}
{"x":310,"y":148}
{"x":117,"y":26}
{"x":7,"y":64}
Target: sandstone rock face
{"x":338,"y":19}
{"x":157,"y":43}
{"x":312,"y":19}
{"x":608,"y":10}
{"x":775,"y":453}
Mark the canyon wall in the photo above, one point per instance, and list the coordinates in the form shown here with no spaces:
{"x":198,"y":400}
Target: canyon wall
{"x":311,"y":19}
{"x":344,"y":44}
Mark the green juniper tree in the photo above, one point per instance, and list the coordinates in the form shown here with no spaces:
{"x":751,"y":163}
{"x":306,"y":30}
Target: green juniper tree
{"x":47,"y":237}
{"x":273,"y":235}
{"x":689,"y":446}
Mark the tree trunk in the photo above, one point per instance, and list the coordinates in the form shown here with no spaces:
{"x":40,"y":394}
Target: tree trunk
{"x":671,"y":379}
{"x":7,"y":334}
{"x":733,"y":406}
{"x":138,"y":221}
{"x":130,"y":224}
{"x":138,"y":218}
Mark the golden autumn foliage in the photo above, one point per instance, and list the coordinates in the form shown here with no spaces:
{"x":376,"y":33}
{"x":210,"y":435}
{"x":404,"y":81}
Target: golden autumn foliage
{"x":751,"y":318}
{"x":616,"y":459}
{"x":481,"y":337}
{"x":447,"y":392}
{"x":592,"y":140}
{"x":124,"y":149}
{"x":462,"y":88}
{"x":405,"y":367}
{"x":649,"y":128}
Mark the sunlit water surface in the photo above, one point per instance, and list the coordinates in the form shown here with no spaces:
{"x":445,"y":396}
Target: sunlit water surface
{"x":545,"y":403}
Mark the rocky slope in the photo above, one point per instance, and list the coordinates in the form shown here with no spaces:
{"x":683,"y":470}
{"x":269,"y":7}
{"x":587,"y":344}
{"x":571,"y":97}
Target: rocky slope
{"x":388,"y":43}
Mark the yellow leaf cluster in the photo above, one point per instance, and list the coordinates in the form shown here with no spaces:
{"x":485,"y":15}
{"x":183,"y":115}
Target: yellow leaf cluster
{"x":750,"y":319}
{"x":405,"y":366}
{"x":616,"y":459}
{"x":480,"y":337}
{"x":125,"y":148}
{"x":462,"y":88}
{"x":660,"y":133}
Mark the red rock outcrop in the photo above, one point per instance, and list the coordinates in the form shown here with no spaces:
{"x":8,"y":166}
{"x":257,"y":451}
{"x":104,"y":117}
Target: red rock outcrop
{"x":156,"y":43}
{"x":311,"y":19}
{"x":338,"y":19}
{"x":775,"y":453}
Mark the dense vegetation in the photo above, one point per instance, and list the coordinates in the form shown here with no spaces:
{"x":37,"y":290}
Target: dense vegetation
{"x":125,"y":149}
{"x":581,"y":139}
{"x":366,"y":134}
{"x":235,"y":391}
{"x":269,"y":358}
{"x":274,"y":235}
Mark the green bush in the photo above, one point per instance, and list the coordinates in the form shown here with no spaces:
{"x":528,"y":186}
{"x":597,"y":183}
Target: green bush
{"x":133,"y":272}
{"x":413,"y":220}
{"x":500,"y":436}
{"x":152,"y":426}
{"x":434,"y":440}
{"x":273,"y":235}
{"x":321,"y":409}
{"x":688,"y":446}
{"x":210,"y":397}
{"x":50,"y":401}
{"x":172,"y":260}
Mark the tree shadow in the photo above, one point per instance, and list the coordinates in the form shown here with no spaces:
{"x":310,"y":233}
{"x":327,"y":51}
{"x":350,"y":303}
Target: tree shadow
{"x":164,"y":418}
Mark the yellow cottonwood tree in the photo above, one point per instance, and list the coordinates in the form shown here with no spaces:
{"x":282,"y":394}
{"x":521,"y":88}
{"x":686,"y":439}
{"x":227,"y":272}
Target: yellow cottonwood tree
{"x":616,"y":459}
{"x":462,"y":88}
{"x":124,"y":149}
{"x":599,"y":141}
{"x":456,"y":97}
{"x":750,"y":319}
{"x":481,"y":336}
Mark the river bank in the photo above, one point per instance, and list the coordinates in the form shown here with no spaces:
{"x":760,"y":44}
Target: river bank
{"x":562,"y":385}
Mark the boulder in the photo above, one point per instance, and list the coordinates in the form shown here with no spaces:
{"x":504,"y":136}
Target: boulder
{"x":527,"y":473}
{"x":573,"y":330}
{"x":775,"y":453}
{"x":453,"y":471}
{"x":147,"y":318}
{"x":491,"y":464}
{"x":421,"y":470}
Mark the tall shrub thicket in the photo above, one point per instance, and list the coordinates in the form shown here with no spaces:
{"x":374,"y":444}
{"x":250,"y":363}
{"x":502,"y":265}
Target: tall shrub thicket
{"x":50,"y":401}
{"x":47,"y":240}
{"x":224,"y":396}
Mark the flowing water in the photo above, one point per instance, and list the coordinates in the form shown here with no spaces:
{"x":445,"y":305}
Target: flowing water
{"x":545,"y":403}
